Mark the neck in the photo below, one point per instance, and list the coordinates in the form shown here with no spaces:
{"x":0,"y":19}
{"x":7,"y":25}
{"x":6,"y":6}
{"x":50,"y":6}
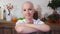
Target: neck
{"x":29,"y":18}
{"x":29,"y":21}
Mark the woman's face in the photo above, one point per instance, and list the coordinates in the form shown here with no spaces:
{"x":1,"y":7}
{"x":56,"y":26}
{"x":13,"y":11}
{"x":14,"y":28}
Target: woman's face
{"x":28,"y":10}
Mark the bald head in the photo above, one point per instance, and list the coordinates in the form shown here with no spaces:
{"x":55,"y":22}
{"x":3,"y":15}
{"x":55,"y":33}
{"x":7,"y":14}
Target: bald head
{"x":27,"y":3}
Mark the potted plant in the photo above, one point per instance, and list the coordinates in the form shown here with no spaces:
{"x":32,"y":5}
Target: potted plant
{"x":55,"y":17}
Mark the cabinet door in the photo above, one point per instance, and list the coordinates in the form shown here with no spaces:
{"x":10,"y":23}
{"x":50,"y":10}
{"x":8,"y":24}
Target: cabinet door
{"x":14,"y":31}
{"x":1,"y":31}
{"x":7,"y":30}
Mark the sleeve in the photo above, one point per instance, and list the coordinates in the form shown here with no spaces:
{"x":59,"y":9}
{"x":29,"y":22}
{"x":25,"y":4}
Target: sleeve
{"x":19,"y":22}
{"x":40,"y":22}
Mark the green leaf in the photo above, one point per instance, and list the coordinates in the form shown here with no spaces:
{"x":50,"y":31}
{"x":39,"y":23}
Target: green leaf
{"x":54,"y":4}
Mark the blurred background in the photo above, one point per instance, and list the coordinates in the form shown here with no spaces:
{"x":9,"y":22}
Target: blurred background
{"x":48,"y":11}
{"x":17,"y":6}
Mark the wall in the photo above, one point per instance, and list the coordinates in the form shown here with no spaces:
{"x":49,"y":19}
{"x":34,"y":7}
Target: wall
{"x":17,"y":6}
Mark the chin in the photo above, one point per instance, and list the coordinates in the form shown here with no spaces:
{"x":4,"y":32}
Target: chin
{"x":28,"y":17}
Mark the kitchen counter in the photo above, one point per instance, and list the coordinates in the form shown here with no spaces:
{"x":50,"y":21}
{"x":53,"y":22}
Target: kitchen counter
{"x":8,"y":28}
{"x":54,"y":26}
{"x":4,"y":21}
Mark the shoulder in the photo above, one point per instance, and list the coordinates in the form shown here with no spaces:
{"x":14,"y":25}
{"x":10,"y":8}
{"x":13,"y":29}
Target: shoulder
{"x":20,"y":21}
{"x":38,"y":21}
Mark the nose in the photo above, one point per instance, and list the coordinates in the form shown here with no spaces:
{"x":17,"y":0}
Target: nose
{"x":27,"y":11}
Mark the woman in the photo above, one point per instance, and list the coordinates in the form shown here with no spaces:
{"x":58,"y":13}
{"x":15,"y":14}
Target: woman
{"x":29,"y":25}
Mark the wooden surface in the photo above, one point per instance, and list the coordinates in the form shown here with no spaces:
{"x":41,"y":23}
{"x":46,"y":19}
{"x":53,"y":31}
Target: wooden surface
{"x":4,"y":21}
{"x":8,"y":28}
{"x":54,"y":26}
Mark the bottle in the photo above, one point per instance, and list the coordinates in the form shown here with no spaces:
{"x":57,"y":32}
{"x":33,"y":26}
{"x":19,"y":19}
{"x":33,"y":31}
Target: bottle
{"x":8,"y":15}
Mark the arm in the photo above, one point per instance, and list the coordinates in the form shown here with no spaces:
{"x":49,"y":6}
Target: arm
{"x":28,"y":28}
{"x":41,"y":27}
{"x":24,"y":29}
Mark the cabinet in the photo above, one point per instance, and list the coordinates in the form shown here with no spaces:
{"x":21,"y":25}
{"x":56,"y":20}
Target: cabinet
{"x":8,"y":28}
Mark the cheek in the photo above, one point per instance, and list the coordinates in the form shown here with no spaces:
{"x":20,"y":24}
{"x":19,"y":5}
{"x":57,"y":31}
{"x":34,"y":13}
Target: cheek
{"x":32,"y":12}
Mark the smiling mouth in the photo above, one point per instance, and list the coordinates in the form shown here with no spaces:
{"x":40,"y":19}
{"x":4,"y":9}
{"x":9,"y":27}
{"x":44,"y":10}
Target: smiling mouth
{"x":28,"y":15}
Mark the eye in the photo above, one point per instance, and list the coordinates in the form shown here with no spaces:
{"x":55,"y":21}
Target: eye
{"x":29,"y":9}
{"x":24,"y":9}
